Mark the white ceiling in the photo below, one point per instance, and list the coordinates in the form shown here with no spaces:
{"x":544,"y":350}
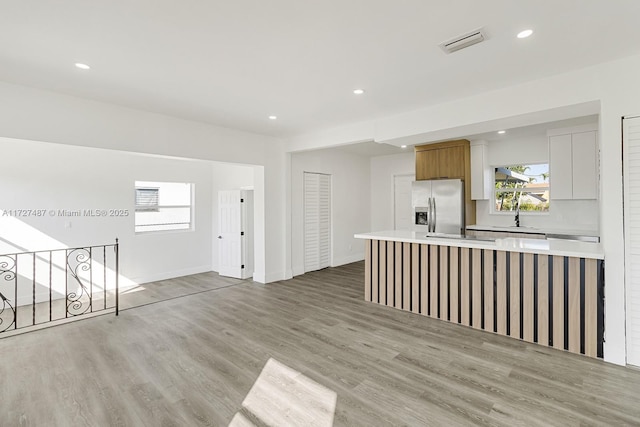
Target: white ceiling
{"x":234,"y":63}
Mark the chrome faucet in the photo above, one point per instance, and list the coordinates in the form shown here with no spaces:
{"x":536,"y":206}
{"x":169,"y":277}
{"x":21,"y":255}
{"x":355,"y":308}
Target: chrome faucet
{"x":517,"y":218}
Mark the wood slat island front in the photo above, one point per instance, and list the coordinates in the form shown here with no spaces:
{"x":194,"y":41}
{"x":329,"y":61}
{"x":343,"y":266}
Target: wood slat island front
{"x":540,"y":295}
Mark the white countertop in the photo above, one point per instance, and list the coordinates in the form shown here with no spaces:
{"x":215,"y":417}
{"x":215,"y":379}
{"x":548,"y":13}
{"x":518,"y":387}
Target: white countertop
{"x":532,"y":230}
{"x":535,"y":246}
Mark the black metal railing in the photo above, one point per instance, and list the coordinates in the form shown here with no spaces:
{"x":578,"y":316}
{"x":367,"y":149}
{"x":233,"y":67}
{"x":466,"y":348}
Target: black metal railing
{"x":52,"y":285}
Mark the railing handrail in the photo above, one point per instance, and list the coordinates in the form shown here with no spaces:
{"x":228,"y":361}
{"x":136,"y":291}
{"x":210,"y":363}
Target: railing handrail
{"x":60,"y":249}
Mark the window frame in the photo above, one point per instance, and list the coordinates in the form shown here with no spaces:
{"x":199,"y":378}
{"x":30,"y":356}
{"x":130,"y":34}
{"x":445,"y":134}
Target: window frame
{"x":159,"y":206}
{"x":522,"y":190}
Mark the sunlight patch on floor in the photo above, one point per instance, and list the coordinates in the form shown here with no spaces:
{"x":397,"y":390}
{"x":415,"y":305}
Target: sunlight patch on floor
{"x":282,"y":396}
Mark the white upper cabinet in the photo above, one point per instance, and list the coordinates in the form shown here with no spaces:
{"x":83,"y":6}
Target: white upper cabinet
{"x":480,"y":172}
{"x":585,"y":165}
{"x":560,"y":167}
{"x":573,"y":163}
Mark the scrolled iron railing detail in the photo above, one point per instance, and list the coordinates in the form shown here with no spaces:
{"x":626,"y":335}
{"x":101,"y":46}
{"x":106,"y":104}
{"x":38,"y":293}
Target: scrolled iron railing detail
{"x":8,"y":266}
{"x":7,"y":314}
{"x":78,"y":301}
{"x":57,"y":284}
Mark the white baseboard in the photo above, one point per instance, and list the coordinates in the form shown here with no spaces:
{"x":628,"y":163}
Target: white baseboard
{"x":25,"y":295}
{"x":275,"y":276}
{"x":270,"y":277}
{"x":347,"y":260}
{"x":171,"y":274}
{"x":259,"y":276}
{"x":297,"y":271}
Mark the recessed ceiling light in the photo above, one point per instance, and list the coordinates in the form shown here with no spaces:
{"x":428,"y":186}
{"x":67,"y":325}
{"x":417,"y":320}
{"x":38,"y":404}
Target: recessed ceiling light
{"x":272,"y":117}
{"x":524,"y":34}
{"x":403,"y":146}
{"x":502,"y":131}
{"x":358,"y":91}
{"x":82,"y":66}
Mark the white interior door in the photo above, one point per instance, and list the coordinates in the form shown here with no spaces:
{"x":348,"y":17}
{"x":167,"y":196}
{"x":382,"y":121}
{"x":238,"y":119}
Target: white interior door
{"x":402,"y":211}
{"x":230,"y":233}
{"x":317,"y":221}
{"x":631,"y":147}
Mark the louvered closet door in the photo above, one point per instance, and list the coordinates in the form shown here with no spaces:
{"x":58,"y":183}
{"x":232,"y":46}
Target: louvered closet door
{"x":632,"y":235}
{"x":317,"y":221}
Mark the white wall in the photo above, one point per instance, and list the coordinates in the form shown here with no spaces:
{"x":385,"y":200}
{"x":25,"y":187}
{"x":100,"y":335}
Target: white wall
{"x":225,"y":176}
{"x":61,"y":177}
{"x":349,"y":203}
{"x":39,"y":115}
{"x":383,"y":170}
{"x":563,"y":214}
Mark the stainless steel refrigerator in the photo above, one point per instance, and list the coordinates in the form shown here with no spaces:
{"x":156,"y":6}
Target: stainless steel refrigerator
{"x":438,"y":206}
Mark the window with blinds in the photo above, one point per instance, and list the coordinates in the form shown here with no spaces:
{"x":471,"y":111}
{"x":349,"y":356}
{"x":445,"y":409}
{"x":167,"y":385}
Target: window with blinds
{"x":163,"y":206}
{"x":147,"y":199}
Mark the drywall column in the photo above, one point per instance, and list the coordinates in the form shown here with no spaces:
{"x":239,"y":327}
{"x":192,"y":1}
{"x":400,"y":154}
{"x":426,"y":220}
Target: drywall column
{"x":288,"y":218}
{"x":275,"y":212}
{"x":621,"y":98}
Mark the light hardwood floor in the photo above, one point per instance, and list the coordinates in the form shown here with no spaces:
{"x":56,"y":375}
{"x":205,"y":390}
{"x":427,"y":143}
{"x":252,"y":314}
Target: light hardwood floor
{"x":192,"y":360}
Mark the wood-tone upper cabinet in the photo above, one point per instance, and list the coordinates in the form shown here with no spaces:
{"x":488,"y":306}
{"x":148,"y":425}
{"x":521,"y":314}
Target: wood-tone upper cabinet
{"x":448,"y":160}
{"x":440,"y":161}
{"x":452,"y":162}
{"x":427,"y":165}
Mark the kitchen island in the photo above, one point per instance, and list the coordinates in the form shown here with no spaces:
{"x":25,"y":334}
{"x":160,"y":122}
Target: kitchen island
{"x":548,"y":292}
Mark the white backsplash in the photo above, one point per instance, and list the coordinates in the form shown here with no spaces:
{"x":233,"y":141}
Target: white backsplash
{"x":563,"y":214}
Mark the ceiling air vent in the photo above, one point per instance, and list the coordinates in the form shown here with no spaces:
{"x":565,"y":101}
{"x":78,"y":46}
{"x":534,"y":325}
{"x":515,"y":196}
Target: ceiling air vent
{"x":463,"y":41}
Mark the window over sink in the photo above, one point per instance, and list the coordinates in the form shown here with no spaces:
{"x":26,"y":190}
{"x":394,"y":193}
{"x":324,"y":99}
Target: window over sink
{"x":525,"y":186}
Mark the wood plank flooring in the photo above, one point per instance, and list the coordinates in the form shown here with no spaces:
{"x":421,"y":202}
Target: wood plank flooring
{"x":192,"y":360}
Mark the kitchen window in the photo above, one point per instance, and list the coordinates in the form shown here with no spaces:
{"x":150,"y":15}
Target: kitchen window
{"x":163,"y":206}
{"x":525,"y":186}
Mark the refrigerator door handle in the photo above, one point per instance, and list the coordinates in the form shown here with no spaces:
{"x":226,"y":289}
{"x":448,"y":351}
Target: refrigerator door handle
{"x":429,"y":215}
{"x":435,"y":213}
